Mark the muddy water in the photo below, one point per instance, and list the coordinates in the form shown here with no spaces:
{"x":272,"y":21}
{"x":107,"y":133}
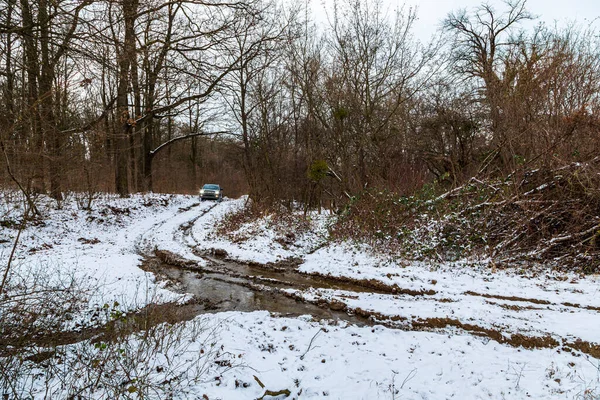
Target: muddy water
{"x":229,"y":289}
{"x":285,"y":276}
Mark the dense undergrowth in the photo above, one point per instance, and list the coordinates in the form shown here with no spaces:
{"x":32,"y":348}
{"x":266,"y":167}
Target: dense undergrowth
{"x":547,"y":217}
{"x":544,"y":218}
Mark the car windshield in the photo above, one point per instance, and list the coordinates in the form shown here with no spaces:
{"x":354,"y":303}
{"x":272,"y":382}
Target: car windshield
{"x":211,"y":187}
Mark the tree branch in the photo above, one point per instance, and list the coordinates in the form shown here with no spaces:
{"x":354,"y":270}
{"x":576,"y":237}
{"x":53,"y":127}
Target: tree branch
{"x":177,"y":139}
{"x":90,"y":124}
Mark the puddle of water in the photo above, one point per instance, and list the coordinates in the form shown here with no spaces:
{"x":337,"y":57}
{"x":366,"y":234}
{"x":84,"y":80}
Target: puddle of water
{"x":219,"y":292}
{"x":289,"y":277}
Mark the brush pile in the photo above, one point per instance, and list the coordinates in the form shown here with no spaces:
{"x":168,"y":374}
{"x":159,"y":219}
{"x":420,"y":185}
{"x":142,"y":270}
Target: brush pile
{"x":544,"y":217}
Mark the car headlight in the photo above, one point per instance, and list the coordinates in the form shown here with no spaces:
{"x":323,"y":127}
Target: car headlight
{"x":217,"y":192}
{"x":201,"y":191}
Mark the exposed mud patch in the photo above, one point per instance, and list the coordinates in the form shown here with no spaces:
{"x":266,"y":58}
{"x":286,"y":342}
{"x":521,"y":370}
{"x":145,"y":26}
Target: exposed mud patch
{"x":287,"y":269}
{"x":574,"y":305}
{"x":377,"y":285}
{"x":284,"y":275}
{"x":509,"y":298}
{"x":441,"y":324}
{"x":592,"y":349}
{"x":513,"y":307}
{"x":170,"y":258}
{"x":188,"y":208}
{"x":529,"y":300}
{"x":119,"y":326}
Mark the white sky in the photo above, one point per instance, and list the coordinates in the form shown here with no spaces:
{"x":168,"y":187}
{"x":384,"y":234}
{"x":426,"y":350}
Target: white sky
{"x":432,"y":12}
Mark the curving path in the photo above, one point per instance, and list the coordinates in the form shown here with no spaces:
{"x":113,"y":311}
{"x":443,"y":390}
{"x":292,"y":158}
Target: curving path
{"x":220,"y":284}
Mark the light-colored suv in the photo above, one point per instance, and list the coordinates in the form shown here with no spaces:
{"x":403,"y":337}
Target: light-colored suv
{"x":211,"y":191}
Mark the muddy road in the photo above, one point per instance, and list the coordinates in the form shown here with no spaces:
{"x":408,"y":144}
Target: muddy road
{"x":220,"y":284}
{"x":227,"y":285}
{"x":217,"y":290}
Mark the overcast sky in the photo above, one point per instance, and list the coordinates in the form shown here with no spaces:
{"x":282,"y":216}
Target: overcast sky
{"x":431,"y":12}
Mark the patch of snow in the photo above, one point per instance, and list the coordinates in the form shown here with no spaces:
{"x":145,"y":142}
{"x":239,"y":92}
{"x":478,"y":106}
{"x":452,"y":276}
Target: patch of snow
{"x":260,"y":245}
{"x":98,"y":248}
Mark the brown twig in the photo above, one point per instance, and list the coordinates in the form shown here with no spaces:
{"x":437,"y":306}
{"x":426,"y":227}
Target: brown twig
{"x":14,"y":249}
{"x":32,"y":206}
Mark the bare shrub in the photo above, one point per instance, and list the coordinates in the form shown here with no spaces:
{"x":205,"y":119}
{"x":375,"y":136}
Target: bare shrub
{"x":37,"y":302}
{"x":51,"y":347}
{"x":536,"y":216}
{"x":286,"y":224}
{"x":89,"y":191}
{"x":159,"y":362}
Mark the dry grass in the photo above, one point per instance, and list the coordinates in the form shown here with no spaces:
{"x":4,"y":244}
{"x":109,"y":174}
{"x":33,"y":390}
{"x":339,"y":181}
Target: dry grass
{"x":287,"y":225}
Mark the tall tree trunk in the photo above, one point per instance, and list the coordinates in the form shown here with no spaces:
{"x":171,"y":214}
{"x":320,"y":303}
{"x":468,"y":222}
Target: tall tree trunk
{"x":152,"y":74}
{"x":146,"y":149}
{"x":194,"y":161}
{"x":9,"y":91}
{"x":47,"y":116}
{"x":31,"y":114}
{"x":136,"y":134}
{"x":125,"y":121}
{"x":148,"y":133}
{"x":108,"y":140}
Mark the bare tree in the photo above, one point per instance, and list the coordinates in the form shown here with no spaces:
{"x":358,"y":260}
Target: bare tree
{"x":253,"y":92}
{"x":377,"y":69}
{"x":482,"y":40}
{"x":447,"y":132}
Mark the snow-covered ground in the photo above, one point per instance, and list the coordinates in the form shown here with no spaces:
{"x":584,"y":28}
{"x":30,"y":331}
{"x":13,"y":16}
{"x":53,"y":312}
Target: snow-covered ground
{"x":326,"y":359}
{"x":349,"y":362}
{"x":98,"y":248}
{"x":259,"y":242}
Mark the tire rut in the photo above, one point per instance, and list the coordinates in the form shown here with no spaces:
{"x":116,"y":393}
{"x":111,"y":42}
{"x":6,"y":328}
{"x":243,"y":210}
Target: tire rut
{"x":274,"y":287}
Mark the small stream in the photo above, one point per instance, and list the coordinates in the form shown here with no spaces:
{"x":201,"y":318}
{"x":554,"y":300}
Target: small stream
{"x":228,"y":286}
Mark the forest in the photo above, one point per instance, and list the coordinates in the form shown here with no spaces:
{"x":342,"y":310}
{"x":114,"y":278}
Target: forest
{"x":394,"y":217}
{"x":107,"y":95}
{"x":355,"y":114}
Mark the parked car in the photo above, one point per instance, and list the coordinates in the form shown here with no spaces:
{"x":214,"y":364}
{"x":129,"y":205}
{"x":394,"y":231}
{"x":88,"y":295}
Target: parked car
{"x":211,"y":191}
